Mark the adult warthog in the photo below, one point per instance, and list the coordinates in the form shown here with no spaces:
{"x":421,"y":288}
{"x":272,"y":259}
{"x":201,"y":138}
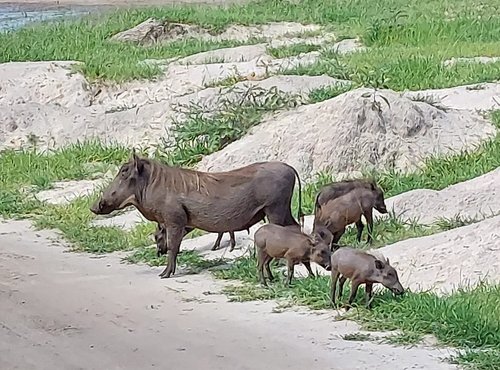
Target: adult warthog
{"x":181,"y":199}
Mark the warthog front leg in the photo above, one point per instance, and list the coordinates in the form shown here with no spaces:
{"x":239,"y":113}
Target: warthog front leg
{"x":307,"y":264}
{"x":336,"y":237}
{"x":369,"y":221}
{"x":354,"y":290}
{"x":291,"y":269}
{"x":335,"y":277}
{"x":174,"y":238}
{"x":369,"y":294}
{"x":359,"y":226}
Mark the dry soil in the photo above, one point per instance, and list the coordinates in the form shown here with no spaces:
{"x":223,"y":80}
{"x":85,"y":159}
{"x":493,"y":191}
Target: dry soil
{"x":68,"y":311}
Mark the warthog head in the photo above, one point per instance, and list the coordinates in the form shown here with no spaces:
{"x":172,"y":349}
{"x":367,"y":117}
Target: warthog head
{"x":121,"y":192}
{"x":379,"y":204}
{"x":321,"y":253}
{"x":387,"y":275}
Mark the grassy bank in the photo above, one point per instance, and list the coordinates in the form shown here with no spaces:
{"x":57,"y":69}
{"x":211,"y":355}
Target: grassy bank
{"x":407,"y":40}
{"x":406,"y":52}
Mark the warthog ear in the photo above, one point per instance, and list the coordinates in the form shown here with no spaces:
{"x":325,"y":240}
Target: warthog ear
{"x":379,"y":264}
{"x":137,"y":161}
{"x":387,"y":261}
{"x":372,"y":186}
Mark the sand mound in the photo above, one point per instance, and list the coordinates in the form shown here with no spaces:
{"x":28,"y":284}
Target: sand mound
{"x":484,"y":96}
{"x":445,"y":261}
{"x":478,"y":198}
{"x":350,"y":132}
{"x":46,"y":104}
{"x":43,"y":83}
{"x":153,"y":31}
{"x":65,"y":191}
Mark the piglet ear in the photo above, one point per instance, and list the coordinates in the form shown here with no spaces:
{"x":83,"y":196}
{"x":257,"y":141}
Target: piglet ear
{"x":379,"y":264}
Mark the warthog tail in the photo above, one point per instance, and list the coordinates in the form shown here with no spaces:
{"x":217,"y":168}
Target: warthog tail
{"x":300,"y":214}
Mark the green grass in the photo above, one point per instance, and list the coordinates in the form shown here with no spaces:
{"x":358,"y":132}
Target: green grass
{"x":329,"y":92}
{"x":292,"y":50}
{"x":189,"y":260}
{"x":466,"y":319}
{"x":201,"y":134}
{"x":396,"y":30}
{"x":407,"y":40}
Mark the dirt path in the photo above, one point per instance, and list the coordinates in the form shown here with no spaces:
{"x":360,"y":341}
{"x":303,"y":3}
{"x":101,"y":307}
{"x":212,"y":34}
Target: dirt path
{"x":66,"y":311}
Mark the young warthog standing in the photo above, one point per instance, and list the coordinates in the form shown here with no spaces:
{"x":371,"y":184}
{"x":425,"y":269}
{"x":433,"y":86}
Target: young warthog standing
{"x":362,"y":268}
{"x":336,"y":214}
{"x":181,"y":199}
{"x":339,"y":188}
{"x":274,"y":241}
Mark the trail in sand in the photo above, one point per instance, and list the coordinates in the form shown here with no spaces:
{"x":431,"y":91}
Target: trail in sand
{"x":69,"y":311}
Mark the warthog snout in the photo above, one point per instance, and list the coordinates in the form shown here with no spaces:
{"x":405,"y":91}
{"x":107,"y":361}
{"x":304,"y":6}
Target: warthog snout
{"x":97,"y":207}
{"x":381,"y":208}
{"x":398,"y":290}
{"x":101,"y":207}
{"x":159,"y":253}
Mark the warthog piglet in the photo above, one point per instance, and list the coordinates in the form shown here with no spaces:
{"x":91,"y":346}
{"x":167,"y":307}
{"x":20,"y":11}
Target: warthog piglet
{"x":340,"y":212}
{"x":362,"y":268}
{"x":274,"y":241}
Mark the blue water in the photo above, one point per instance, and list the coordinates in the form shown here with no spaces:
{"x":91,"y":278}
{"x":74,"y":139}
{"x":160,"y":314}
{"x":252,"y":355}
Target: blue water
{"x":14,"y":16}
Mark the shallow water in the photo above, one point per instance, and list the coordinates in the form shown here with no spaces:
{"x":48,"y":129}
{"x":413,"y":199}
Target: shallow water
{"x":14,"y":16}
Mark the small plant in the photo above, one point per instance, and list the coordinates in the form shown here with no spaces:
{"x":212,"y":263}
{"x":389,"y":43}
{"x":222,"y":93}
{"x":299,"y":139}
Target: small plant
{"x":329,"y":92}
{"x":475,"y":87}
{"x":292,"y":50}
{"x":375,"y":80}
{"x":429,"y":99}
{"x":358,"y":337}
{"x":404,"y":338}
{"x":381,"y":30}
{"x":454,"y":222}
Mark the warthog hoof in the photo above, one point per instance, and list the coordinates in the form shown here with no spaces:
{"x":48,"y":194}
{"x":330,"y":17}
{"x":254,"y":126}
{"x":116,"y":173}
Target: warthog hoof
{"x":165,"y":273}
{"x":346,"y":307}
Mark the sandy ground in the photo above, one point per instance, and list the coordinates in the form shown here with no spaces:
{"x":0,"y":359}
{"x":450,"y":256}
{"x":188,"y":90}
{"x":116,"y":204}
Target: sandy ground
{"x":68,"y":311}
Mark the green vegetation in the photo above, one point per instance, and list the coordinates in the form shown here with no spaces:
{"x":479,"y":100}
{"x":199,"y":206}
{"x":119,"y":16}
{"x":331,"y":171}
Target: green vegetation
{"x":406,"y":51}
{"x":408,"y":40}
{"x":329,"y":92}
{"x":203,"y":133}
{"x":292,"y":50}
{"x":466,"y":319}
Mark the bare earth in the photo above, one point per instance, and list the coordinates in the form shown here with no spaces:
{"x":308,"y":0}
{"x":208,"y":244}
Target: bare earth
{"x":68,"y":311}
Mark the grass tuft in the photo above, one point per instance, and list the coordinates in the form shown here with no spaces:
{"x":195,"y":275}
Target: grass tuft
{"x":204,"y":132}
